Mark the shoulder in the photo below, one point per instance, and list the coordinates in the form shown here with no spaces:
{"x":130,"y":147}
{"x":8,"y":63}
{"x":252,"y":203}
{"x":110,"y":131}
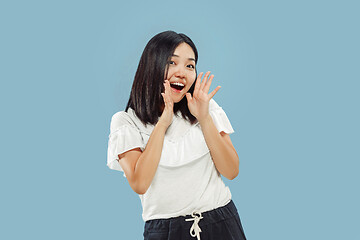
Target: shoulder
{"x":213,"y":105}
{"x":220,"y":118}
{"x":128,"y":119}
{"x":120,"y":119}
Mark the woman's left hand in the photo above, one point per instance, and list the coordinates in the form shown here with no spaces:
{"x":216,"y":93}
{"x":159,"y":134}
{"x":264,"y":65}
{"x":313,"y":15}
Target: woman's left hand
{"x":198,"y":103}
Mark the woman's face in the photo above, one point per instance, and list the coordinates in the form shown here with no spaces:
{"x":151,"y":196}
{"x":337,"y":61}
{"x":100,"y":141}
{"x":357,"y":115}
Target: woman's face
{"x":181,"y":73}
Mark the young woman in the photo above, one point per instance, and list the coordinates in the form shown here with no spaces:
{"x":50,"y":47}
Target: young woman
{"x":172,"y":144}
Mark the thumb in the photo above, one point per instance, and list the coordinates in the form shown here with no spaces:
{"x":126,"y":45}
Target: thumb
{"x":188,"y":97}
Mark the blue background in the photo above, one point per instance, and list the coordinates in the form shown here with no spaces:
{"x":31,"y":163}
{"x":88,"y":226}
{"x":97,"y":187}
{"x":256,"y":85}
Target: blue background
{"x":289,"y":72}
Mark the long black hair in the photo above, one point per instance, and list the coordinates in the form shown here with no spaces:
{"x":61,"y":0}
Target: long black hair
{"x":145,"y":97}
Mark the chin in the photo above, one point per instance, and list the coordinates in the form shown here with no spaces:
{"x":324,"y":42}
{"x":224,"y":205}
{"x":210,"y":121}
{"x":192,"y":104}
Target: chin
{"x":177,"y":99}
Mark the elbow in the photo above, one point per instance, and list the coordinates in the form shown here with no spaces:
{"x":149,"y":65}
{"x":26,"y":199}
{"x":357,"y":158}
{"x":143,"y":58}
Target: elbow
{"x":138,"y":184}
{"x":140,"y":188}
{"x":140,"y":191}
{"x":233,"y":176}
{"x":235,"y":172}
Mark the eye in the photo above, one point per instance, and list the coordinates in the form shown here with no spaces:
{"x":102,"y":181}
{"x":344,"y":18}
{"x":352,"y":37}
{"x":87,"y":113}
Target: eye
{"x":171,"y":62}
{"x":191,"y":66}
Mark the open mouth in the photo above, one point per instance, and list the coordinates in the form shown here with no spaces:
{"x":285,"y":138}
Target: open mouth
{"x":177,"y":86}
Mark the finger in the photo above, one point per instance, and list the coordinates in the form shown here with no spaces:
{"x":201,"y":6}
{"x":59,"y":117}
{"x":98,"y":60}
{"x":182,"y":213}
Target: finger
{"x":168,"y":92}
{"x":208,"y":84}
{"x":204,"y":80}
{"x":164,"y":98}
{"x":188,"y":97}
{"x":166,"y":82}
{"x":167,"y":87}
{"x":214,"y":92}
{"x":197,"y":84}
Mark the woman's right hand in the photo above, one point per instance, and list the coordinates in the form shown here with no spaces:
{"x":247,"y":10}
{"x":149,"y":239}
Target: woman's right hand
{"x":168,"y":112}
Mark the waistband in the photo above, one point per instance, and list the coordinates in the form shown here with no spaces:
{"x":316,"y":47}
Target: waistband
{"x":200,"y":219}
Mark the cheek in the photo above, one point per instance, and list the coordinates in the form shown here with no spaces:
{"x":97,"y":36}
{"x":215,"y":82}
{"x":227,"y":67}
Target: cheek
{"x":192,"y":78}
{"x":169,"y":74}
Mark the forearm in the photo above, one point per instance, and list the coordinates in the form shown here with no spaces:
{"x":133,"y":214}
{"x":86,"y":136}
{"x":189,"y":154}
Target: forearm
{"x":223,"y":154}
{"x":148,"y":161}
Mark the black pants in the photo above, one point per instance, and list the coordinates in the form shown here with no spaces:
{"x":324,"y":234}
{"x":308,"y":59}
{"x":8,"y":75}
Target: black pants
{"x":219,"y":224}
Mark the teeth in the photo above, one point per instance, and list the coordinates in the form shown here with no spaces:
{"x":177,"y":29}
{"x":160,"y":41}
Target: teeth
{"x":179,"y":84}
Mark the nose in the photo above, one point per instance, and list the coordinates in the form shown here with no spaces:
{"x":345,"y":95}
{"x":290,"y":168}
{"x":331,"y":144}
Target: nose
{"x":180,"y":72}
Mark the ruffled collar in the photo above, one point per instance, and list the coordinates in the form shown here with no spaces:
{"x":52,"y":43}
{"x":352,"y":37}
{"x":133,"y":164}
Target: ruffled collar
{"x":178,"y":128}
{"x":183,"y":143}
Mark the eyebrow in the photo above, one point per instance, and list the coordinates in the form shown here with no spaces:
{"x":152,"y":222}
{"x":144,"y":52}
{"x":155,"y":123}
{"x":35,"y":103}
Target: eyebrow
{"x":174,"y":55}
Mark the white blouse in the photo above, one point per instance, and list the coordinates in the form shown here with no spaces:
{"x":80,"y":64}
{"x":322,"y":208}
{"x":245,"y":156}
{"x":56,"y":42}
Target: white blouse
{"x":186,"y":179}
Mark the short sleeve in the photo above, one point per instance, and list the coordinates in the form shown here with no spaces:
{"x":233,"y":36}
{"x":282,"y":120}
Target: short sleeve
{"x":122,"y":138}
{"x":219,"y":117}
